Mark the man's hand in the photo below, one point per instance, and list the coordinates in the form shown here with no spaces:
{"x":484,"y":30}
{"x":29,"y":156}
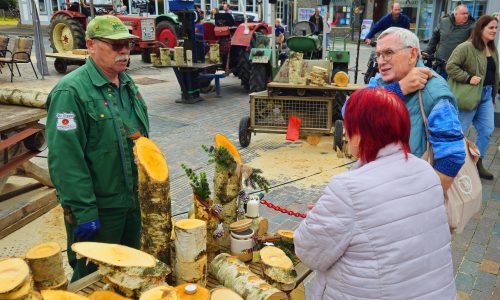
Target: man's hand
{"x":368,"y":41}
{"x":424,"y":54}
{"x":475,"y":80}
{"x":446,"y":181}
{"x":415,"y":80}
{"x":86,"y":231}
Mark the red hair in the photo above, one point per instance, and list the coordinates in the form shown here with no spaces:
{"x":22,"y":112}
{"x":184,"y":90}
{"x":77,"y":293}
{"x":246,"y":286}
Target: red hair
{"x":380,"y":118}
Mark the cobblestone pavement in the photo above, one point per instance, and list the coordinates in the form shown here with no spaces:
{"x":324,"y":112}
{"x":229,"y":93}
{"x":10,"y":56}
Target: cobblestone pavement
{"x":180,"y":129}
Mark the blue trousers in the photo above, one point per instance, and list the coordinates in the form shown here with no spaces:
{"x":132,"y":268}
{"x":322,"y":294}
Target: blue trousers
{"x":483,"y":119}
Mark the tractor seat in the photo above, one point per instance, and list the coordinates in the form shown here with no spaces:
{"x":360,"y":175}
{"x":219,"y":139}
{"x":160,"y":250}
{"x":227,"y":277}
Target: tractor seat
{"x":224,"y":19}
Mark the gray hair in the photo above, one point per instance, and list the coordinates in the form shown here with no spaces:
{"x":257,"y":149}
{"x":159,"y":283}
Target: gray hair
{"x":460,"y":6}
{"x":408,"y":38}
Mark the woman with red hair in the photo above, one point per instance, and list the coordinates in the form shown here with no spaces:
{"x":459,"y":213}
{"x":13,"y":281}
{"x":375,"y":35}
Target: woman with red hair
{"x":380,"y":230}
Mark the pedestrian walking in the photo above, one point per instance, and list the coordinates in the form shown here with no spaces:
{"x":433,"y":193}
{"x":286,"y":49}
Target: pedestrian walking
{"x":317,"y":20}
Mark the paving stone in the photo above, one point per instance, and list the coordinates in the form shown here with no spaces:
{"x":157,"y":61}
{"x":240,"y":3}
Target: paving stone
{"x":479,"y":295}
{"x":457,"y":257}
{"x":481,"y":235}
{"x":475,"y":252}
{"x":485,"y":282}
{"x":495,"y":196}
{"x":469,"y":267}
{"x":489,"y":266}
{"x":496,"y":230}
{"x":464,"y":282}
{"x":463,"y":296}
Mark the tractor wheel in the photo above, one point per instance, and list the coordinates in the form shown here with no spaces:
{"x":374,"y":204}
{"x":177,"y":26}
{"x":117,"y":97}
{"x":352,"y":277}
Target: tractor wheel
{"x":66,"y":34}
{"x":146,"y":55}
{"x":258,"y":78}
{"x":244,"y":133}
{"x":166,"y":34}
{"x":244,"y":70}
{"x":338,"y":134}
{"x":60,"y":65}
{"x":338,"y":103}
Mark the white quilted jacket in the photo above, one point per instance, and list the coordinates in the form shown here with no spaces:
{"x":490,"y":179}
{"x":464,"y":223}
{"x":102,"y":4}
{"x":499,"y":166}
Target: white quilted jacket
{"x":380,"y":231}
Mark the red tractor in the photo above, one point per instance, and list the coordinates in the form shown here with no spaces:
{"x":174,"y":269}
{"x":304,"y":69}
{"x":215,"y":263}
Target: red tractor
{"x":67,"y":31}
{"x":235,"y":39}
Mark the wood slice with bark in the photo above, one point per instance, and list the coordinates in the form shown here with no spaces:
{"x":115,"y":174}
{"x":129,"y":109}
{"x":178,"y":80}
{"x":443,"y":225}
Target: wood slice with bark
{"x":164,"y":292}
{"x":278,"y":268}
{"x":21,"y":292}
{"x":236,"y":275}
{"x":154,"y":199}
{"x":46,"y":264}
{"x":191,"y":251}
{"x":14,"y":272}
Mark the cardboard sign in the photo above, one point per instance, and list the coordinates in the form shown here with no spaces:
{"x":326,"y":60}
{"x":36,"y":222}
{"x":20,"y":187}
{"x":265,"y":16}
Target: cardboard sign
{"x":365,"y":27}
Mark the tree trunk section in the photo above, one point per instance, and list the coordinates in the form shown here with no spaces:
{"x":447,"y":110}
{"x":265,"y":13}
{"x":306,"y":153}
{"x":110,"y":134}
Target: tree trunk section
{"x":191,"y":251}
{"x":234,"y":274}
{"x":227,"y":184}
{"x":201,"y":213}
{"x":23,"y":97}
{"x":154,"y":200}
{"x":278,"y":268}
{"x":46,"y":264}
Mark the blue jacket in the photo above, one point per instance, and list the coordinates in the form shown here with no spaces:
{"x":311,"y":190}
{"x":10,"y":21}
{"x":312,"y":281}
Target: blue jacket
{"x":386,"y":22}
{"x":445,"y":132}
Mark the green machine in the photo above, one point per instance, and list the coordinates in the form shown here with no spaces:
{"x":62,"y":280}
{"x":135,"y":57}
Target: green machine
{"x":339,"y":56}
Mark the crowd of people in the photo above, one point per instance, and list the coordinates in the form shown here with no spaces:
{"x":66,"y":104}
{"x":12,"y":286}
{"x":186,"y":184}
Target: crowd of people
{"x":380,"y":231}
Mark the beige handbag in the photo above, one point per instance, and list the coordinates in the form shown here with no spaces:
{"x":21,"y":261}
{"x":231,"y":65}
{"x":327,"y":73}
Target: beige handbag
{"x":464,"y":197}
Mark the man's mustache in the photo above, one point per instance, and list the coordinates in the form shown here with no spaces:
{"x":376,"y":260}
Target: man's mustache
{"x":122,"y":58}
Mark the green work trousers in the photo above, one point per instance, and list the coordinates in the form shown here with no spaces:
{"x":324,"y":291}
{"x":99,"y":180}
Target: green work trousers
{"x":118,"y":226}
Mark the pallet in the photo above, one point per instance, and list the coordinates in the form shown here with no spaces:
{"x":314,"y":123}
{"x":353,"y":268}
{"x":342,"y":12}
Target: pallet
{"x":20,"y":209}
{"x":95,"y":282}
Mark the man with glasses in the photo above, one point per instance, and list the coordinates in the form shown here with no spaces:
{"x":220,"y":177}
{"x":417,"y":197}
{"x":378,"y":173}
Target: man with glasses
{"x":402,"y":72}
{"x":94,"y":115}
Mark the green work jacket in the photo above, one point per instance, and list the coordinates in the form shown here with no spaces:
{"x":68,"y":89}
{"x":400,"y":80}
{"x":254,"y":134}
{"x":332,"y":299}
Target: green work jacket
{"x":91,"y":160}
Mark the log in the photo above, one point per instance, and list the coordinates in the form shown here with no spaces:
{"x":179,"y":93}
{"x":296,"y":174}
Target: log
{"x":154,"y":199}
{"x":236,"y":275}
{"x":295,"y":68}
{"x":179,"y":56}
{"x":21,"y":292}
{"x":214,"y":54}
{"x":164,"y":292}
{"x":278,"y":268}
{"x":46,"y":264}
{"x":23,"y":97}
{"x":189,"y":58}
{"x":201,"y":213}
{"x":165,"y":57}
{"x":114,"y":255}
{"x":14,"y":273}
{"x":224,"y":294}
{"x":191,"y":251}
{"x":61,"y":295}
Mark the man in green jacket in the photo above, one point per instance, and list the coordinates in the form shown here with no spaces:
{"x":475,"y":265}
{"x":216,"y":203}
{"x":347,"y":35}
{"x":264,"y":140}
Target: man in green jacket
{"x":450,"y":32}
{"x":94,"y":115}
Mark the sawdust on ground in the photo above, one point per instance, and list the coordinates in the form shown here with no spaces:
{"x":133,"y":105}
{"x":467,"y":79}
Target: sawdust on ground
{"x":282,"y":162}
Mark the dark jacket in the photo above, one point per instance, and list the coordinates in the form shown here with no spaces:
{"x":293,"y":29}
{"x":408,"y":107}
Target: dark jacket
{"x":447,"y":36}
{"x":386,"y":22}
{"x":318,"y":22}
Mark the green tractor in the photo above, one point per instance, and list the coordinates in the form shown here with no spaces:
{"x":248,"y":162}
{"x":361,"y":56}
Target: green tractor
{"x":261,"y":71}
{"x":339,"y":56}
{"x":304,"y":40}
{"x":168,"y":29}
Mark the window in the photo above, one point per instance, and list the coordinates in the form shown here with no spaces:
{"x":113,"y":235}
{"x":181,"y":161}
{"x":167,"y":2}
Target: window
{"x":42,"y":7}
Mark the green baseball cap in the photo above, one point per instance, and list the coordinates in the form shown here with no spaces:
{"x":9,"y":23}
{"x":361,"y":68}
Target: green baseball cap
{"x":109,"y":27}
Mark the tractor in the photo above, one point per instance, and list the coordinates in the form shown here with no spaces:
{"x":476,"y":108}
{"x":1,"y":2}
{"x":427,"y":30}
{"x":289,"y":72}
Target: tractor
{"x":238,"y":44}
{"x":168,"y":29}
{"x":67,"y":31}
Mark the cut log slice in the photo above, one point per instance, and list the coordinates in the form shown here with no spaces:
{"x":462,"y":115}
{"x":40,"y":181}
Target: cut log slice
{"x":61,"y":295}
{"x":285,"y":234}
{"x":13,"y":273}
{"x":21,"y":292}
{"x":46,"y":264}
{"x":234,"y":274}
{"x":224,"y":294}
{"x":164,"y":292}
{"x":106,"y":295}
{"x":189,"y":291}
{"x":52,"y":285}
{"x":221,"y":140}
{"x":114,"y":254}
{"x":278,"y":268}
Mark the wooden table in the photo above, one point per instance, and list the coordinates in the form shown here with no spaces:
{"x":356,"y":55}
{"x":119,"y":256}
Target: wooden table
{"x":94,"y":281}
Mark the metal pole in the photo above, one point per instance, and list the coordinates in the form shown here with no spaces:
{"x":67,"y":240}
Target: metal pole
{"x":361,"y":16}
{"x":273,"y":37}
{"x":92,"y":15}
{"x":323,"y":53}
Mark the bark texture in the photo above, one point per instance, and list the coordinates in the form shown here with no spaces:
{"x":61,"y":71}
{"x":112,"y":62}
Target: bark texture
{"x":278,"y":268}
{"x":201,"y":212}
{"x":191,"y":251}
{"x":46,"y":264}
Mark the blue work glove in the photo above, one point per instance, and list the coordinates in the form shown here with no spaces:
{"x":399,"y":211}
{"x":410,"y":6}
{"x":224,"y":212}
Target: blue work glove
{"x":86,"y":231}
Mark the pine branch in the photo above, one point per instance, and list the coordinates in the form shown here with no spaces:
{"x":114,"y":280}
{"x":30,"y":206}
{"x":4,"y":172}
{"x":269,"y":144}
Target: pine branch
{"x":199,"y":185}
{"x":220,"y":155}
{"x":257,"y":180}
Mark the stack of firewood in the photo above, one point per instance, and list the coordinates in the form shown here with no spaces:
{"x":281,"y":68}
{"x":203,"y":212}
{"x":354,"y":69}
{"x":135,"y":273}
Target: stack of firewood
{"x":317,"y":77}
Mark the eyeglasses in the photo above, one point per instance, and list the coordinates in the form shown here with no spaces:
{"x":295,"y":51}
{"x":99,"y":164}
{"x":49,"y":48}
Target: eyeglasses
{"x":387,"y":54}
{"x":118,"y":45}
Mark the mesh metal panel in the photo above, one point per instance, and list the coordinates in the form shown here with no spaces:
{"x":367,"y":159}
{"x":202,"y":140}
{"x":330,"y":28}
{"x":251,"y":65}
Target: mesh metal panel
{"x":314,"y":113}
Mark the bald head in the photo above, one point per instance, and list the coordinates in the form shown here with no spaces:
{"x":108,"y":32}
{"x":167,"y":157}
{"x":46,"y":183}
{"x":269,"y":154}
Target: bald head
{"x":461,"y":14}
{"x":395,"y":9}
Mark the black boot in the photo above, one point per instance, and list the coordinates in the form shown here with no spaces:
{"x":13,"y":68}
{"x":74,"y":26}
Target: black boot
{"x":483,"y":173}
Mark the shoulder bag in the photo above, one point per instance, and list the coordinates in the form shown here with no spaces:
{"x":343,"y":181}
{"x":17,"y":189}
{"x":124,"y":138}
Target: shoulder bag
{"x":463,"y":199}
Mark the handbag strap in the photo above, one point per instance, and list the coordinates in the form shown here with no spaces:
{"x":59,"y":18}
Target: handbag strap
{"x":428,"y":155}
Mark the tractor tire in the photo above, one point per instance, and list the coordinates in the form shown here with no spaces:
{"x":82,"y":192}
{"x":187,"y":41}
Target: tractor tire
{"x":66,"y":34}
{"x":244,"y":71}
{"x":258,"y":78}
{"x":61,"y":65}
{"x":338,"y":103}
{"x":338,"y":134}
{"x":244,"y":133}
{"x":166,"y":34}
{"x":146,"y":55}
